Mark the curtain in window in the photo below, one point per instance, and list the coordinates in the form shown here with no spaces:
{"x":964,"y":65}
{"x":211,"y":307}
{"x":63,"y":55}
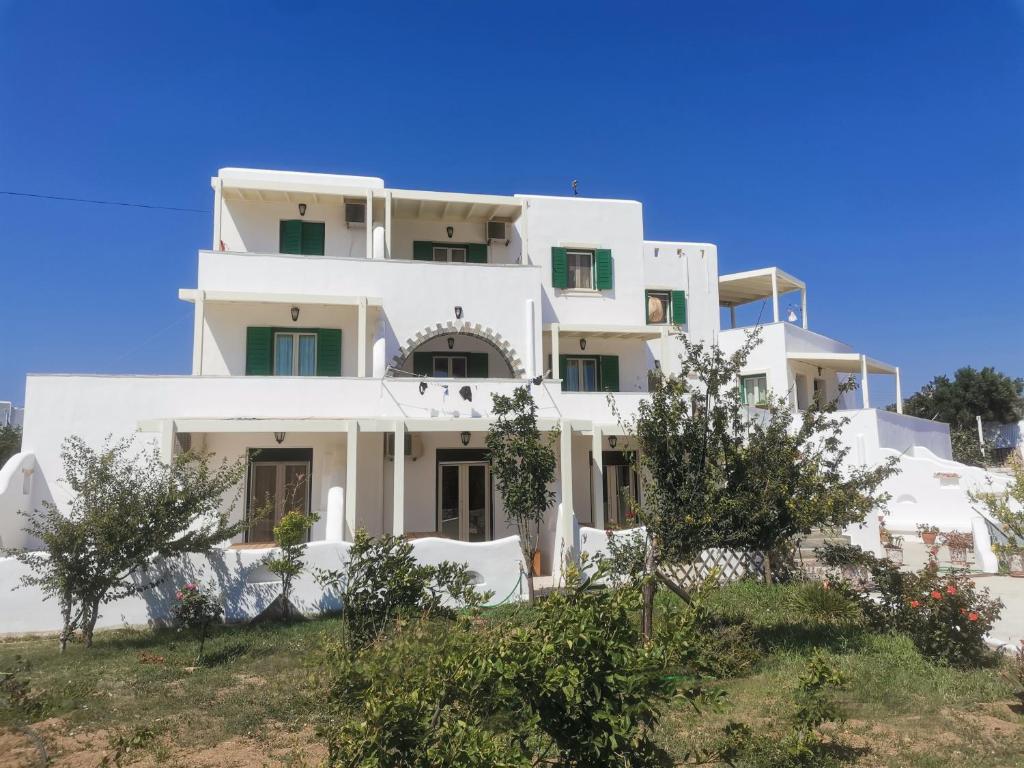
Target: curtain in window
{"x":283,"y":354}
{"x":307,"y":355}
{"x":589,"y":376}
{"x":572,"y":375}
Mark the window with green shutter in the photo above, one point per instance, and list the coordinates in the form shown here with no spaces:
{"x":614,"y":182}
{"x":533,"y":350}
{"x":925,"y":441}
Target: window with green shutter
{"x":328,"y":352}
{"x":679,"y":307}
{"x":259,"y":351}
{"x":663,"y":307}
{"x":305,"y":238}
{"x":292,"y":351}
{"x":609,"y":373}
{"x":559,"y":268}
{"x":455,"y":253}
{"x":594,"y":373}
{"x":603,"y":273}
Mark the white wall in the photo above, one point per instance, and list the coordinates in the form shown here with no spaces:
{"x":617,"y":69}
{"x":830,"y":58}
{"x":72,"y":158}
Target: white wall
{"x":692,"y":267}
{"x":404,"y":232}
{"x":255,"y":227}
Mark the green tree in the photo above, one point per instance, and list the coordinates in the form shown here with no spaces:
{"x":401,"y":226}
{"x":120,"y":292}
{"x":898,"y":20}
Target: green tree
{"x":10,"y":443}
{"x":127,"y":508}
{"x":971,"y":393}
{"x":290,"y":535}
{"x":716,"y":477}
{"x":523,"y":466}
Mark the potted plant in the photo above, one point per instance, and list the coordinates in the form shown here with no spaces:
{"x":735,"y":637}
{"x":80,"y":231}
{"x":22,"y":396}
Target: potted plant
{"x":928,"y":533}
{"x":959,"y":544}
{"x":894,"y":550}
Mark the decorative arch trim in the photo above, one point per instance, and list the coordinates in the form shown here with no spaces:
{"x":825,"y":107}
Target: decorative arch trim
{"x":452,"y":327}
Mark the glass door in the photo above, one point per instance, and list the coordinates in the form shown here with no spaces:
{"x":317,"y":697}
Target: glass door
{"x":620,"y":490}
{"x":275,"y":488}
{"x":464,"y":501}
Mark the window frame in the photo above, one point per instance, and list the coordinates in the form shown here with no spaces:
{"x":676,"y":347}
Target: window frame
{"x":578,"y":361}
{"x":743,"y":390}
{"x":668,"y":305}
{"x":296,"y":335}
{"x":570,"y":270}
{"x":449,"y":253}
{"x":449,"y":357}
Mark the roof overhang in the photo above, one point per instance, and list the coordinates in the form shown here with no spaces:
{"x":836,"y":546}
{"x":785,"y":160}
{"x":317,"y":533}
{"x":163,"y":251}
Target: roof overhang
{"x":755,"y":285}
{"x":599,"y":331}
{"x":453,"y":206}
{"x":842,"y":362}
{"x":260,"y":297}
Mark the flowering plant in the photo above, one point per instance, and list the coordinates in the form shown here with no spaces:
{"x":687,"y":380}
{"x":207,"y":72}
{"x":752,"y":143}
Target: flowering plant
{"x":958,"y":540}
{"x":196,"y":609}
{"x":925,"y":528}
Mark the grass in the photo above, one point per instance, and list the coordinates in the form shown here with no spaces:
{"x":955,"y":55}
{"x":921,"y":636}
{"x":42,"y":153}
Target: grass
{"x":136,"y":698}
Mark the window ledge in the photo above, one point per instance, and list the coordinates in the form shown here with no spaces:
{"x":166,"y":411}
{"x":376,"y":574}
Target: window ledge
{"x":591,"y":292}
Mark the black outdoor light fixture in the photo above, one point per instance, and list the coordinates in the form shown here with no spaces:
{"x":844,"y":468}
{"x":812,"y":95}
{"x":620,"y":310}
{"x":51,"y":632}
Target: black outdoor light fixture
{"x":583,"y":344}
{"x":302,"y":209}
{"x":465,"y":438}
{"x":451,"y":232}
{"x":451,"y":342}
{"x":295,"y":314}
{"x":423,"y":387}
{"x":279,"y":437}
{"x":537,"y":380}
{"x":612,"y":441}
{"x":458,"y":313}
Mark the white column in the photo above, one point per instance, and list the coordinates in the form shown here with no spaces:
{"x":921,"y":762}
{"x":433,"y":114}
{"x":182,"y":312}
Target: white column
{"x":864,"y":381}
{"x":369,"y":224}
{"x":198,"y":332}
{"x":531,"y":340}
{"x":398,"y":507}
{"x":899,"y":393}
{"x":565,"y":466}
{"x":775,"y":296}
{"x":803,"y":306}
{"x":334,"y":524}
{"x":361,"y":338}
{"x":732,"y":317}
{"x":218,"y":197}
{"x":167,"y":432}
{"x":554,"y":350}
{"x":351,"y":477}
{"x":380,"y":366}
{"x":665,"y":353}
{"x":387,"y":225}
{"x":597,"y":479}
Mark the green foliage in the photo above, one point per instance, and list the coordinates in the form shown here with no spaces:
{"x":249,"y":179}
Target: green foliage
{"x":966,"y":447}
{"x":971,"y":393}
{"x":522,"y":464}
{"x":383,"y":584}
{"x":290,"y":535}
{"x":126,"y":509}
{"x":10,"y":442}
{"x":19,"y":702}
{"x":196,"y":609}
{"x":825,"y":604}
{"x":946,"y":616}
{"x":1007,"y":507}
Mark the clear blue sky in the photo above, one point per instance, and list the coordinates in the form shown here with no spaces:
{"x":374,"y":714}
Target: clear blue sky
{"x":872,"y":148}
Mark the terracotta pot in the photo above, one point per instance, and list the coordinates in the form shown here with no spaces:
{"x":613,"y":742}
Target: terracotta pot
{"x":929,"y":537}
{"x":895,"y":555}
{"x":1016,"y":566}
{"x":535,"y":563}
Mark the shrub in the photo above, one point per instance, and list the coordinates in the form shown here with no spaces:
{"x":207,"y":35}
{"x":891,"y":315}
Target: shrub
{"x":384,"y":583}
{"x":196,"y":609}
{"x":290,"y":536}
{"x":822,"y":603}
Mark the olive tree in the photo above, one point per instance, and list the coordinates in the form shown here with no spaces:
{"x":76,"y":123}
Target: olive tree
{"x":127,"y":508}
{"x":523,"y":466}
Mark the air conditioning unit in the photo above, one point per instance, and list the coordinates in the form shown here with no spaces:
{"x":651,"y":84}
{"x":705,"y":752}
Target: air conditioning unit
{"x":413,"y":445}
{"x":355,"y":214}
{"x":498,"y":230}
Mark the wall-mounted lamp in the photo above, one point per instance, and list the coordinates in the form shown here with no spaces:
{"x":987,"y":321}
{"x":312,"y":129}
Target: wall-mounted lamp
{"x":423,"y":387}
{"x":451,"y":232}
{"x":791,"y":315}
{"x":279,"y":437}
{"x":451,"y":342}
{"x":536,"y":380}
{"x":458,"y":313}
{"x":302,"y":209}
{"x":465,"y":438}
{"x":612,"y":442}
{"x":819,"y":370}
{"x":295,"y":314}
{"x":583,"y":343}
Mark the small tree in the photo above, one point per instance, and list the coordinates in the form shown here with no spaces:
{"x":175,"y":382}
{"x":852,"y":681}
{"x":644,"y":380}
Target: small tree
{"x":196,"y":609}
{"x":10,"y":442}
{"x":1007,"y":507}
{"x":523,"y":466}
{"x":127,"y":509}
{"x":290,"y":535}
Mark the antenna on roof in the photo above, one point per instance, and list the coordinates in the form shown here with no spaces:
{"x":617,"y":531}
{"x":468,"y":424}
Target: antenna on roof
{"x":575,"y":187}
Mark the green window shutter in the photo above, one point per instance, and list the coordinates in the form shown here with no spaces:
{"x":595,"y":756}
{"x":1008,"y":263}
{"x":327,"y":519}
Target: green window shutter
{"x":259,"y":351}
{"x":290,"y":237}
{"x":609,"y":372}
{"x":679,"y":307}
{"x":647,"y":311}
{"x":563,"y":368}
{"x":312,"y":238}
{"x":476,"y":253}
{"x":476,"y":366}
{"x":423,"y":363}
{"x":603,"y":269}
{"x":328,"y":352}
{"x":423,"y":251}
{"x":559,"y":268}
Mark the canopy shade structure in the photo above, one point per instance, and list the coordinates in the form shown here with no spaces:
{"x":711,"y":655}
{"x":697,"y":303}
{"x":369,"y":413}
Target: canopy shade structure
{"x":599,"y":331}
{"x":453,"y":206}
{"x":759,"y":284}
{"x":851,"y":362}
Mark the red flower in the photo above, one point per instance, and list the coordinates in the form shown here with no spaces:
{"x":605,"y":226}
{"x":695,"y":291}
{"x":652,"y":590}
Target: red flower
{"x":972,"y":616}
{"x":936,"y":594}
{"x":950,"y":590}
{"x":915,"y":604}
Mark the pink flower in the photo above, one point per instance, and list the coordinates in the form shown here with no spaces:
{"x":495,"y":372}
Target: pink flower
{"x":179,"y":595}
{"x":191,"y":586}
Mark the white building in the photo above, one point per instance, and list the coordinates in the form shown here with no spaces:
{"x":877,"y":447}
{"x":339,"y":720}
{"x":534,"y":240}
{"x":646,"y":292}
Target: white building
{"x":337,"y":318}
{"x":10,"y":414}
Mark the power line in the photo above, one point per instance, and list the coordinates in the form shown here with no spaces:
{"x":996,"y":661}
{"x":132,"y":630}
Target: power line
{"x":105,"y":202}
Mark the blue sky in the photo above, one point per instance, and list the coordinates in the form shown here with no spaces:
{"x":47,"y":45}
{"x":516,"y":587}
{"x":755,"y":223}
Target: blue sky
{"x":872,"y":148}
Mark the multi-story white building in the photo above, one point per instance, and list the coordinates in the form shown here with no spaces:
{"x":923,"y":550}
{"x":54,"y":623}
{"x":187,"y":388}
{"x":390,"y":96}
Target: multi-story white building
{"x":337,"y":318}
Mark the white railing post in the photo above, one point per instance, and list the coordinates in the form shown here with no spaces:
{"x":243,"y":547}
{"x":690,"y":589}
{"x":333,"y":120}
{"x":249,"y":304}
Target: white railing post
{"x":335,"y":518}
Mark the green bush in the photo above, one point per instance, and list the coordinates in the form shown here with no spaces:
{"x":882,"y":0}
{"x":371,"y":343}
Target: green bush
{"x":825,"y":604}
{"x":196,"y":609}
